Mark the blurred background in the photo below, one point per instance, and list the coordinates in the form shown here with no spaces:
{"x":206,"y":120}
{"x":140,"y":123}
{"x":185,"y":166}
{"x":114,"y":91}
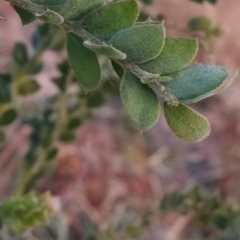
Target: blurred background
{"x":105,"y":178}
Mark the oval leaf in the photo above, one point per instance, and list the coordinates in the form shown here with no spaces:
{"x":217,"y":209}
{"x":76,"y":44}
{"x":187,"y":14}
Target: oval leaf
{"x":195,"y":82}
{"x":67,"y":137}
{"x":141,"y":43}
{"x":83,"y":62}
{"x":8,"y":117}
{"x":107,"y":20}
{"x":25,"y":16}
{"x":106,"y":50}
{"x":28,"y":88}
{"x":140,"y":101}
{"x":186,"y":123}
{"x":176,"y":55}
{"x":20,"y":54}
{"x":76,"y":8}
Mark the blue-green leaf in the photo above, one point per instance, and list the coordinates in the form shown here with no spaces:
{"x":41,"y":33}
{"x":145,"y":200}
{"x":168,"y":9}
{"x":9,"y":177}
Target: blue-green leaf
{"x":196,"y":82}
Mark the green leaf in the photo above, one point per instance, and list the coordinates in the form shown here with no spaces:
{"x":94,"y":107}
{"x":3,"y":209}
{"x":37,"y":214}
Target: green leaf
{"x":205,"y":25}
{"x":5,"y":88}
{"x":140,"y":101}
{"x":2,"y":137}
{"x":60,"y":83}
{"x":186,"y":123}
{"x":51,"y":17}
{"x":52,"y":153}
{"x":54,"y":5}
{"x":147,"y":2}
{"x":221,"y":220}
{"x":77,"y":8}
{"x":8,"y":117}
{"x":20,"y":54}
{"x":67,"y":137}
{"x":106,"y":50}
{"x":107,"y":20}
{"x":141,"y":43}
{"x":23,"y":212}
{"x":118,"y":69}
{"x":196,"y":82}
{"x":28,"y":88}
{"x":95,"y":99}
{"x":177,"y":54}
{"x":172,"y":202}
{"x":83,"y":62}
{"x":41,"y":34}
{"x":74,"y":123}
{"x":25,"y":16}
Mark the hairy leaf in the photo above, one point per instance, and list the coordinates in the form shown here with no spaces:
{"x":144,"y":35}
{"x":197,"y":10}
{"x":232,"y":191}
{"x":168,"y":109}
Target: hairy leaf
{"x":186,"y":123}
{"x":106,"y":50}
{"x":25,"y":16}
{"x":195,"y":82}
{"x":177,"y":54}
{"x":54,"y":5}
{"x":141,"y":43}
{"x":140,"y":101}
{"x":107,"y":20}
{"x":83,"y":62}
{"x":76,"y":8}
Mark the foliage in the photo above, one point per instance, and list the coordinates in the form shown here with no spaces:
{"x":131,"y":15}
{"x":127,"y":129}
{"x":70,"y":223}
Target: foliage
{"x":207,"y":210}
{"x":21,"y":213}
{"x":140,"y":48}
{"x":156,"y":77}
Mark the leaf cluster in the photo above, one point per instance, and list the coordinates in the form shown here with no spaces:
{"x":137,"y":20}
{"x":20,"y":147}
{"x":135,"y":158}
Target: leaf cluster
{"x":20,"y":213}
{"x":157,"y":75}
{"x":207,"y":209}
